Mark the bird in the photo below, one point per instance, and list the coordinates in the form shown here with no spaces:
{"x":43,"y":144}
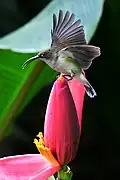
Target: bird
{"x":69,"y":53}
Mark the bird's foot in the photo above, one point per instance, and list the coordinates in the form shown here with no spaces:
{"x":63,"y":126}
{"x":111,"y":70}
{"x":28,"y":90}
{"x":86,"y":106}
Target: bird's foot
{"x":66,"y":76}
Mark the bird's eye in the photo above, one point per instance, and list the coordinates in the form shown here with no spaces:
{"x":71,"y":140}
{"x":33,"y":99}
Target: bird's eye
{"x":42,"y":55}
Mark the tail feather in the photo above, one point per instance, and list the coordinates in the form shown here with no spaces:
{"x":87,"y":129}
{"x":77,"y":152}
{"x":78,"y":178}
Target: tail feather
{"x":90,"y":91}
{"x":88,"y":88}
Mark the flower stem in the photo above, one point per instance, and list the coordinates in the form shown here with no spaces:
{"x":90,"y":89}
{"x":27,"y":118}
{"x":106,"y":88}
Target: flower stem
{"x":65,"y":173}
{"x":51,"y":178}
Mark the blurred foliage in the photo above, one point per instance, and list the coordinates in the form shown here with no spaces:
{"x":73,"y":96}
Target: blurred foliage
{"x":30,"y":37}
{"x":15,"y":13}
{"x":18,"y":86}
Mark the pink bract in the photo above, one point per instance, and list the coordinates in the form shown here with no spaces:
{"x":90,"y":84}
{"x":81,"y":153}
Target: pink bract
{"x":61,"y":135}
{"x":61,"y":130}
{"x":78,"y":92}
{"x":26,"y":167}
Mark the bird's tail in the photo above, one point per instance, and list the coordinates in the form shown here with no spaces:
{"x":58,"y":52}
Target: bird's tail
{"x":88,"y":88}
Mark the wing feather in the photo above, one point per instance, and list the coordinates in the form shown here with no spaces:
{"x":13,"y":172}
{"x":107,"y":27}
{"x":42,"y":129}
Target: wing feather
{"x":66,"y":24}
{"x":66,"y":31}
{"x":83,"y":54}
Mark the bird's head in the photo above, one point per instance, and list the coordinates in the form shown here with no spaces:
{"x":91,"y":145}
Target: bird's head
{"x":43,"y":56}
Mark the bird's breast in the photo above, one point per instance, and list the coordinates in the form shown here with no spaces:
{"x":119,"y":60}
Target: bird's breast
{"x":63,"y":64}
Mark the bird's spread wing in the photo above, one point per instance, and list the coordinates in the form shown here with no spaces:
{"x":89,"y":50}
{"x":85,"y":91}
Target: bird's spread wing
{"x":66,"y":31}
{"x":83,"y":54}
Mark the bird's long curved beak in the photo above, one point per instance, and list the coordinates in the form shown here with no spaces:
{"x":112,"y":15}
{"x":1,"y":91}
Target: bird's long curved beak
{"x":29,"y":61}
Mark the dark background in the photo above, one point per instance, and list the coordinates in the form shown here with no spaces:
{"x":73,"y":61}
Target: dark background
{"x":99,"y":153}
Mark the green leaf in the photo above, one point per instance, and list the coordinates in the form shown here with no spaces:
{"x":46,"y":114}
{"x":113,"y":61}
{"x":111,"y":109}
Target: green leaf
{"x":17,"y":86}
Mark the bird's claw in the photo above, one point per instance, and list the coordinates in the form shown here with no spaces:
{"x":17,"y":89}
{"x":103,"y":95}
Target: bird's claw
{"x":67,"y":77}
